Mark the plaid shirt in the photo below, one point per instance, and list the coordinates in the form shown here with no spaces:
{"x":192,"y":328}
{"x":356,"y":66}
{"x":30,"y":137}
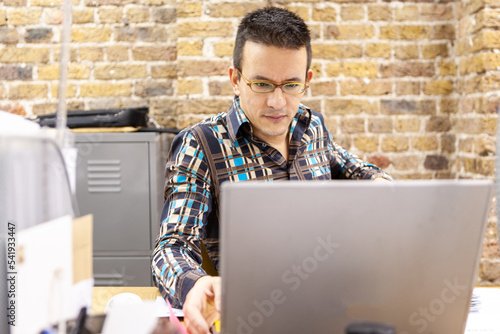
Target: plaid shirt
{"x":220,"y":149}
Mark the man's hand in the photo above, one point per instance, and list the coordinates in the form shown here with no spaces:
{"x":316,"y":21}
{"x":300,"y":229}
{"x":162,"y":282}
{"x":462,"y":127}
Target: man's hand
{"x":381,"y":179}
{"x":202,"y":305}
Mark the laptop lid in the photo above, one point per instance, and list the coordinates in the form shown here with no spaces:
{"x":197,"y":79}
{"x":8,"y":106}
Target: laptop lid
{"x":313,"y":257}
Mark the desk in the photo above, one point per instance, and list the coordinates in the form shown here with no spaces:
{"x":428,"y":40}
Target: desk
{"x":101,"y":295}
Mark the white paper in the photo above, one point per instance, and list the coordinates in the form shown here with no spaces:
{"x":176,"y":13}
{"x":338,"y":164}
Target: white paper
{"x":136,"y":318}
{"x":45,"y":275}
{"x":485,"y":318}
{"x":162,"y":310}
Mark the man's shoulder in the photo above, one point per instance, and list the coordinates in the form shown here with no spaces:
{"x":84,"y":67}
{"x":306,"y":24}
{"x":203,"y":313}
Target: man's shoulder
{"x":211,"y":130}
{"x":316,"y":118}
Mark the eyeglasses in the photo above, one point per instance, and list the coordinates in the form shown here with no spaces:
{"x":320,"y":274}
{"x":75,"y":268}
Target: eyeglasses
{"x":292,"y":88}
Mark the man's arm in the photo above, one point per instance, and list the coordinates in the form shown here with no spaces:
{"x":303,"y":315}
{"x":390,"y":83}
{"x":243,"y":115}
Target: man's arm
{"x":177,"y":256}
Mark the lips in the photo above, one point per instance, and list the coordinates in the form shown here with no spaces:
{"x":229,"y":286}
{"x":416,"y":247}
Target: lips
{"x":275,"y":118}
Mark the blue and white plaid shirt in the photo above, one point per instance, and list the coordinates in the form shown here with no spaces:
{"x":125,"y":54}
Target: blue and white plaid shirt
{"x":222,"y":148}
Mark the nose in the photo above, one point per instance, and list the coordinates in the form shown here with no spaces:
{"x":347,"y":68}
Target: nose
{"x":276,"y":99}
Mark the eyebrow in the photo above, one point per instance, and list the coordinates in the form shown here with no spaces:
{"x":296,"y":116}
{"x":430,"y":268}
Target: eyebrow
{"x":263,"y":78}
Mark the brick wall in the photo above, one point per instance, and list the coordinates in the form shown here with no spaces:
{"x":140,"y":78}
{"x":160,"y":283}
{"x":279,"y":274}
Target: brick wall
{"x":411,"y":86}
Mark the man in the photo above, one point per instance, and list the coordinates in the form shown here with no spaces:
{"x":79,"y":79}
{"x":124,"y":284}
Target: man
{"x":266,"y":135}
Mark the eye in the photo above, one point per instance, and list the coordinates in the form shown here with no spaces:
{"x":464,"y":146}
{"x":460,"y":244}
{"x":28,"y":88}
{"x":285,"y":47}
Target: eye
{"x":292,"y":85}
{"x":263,"y":85}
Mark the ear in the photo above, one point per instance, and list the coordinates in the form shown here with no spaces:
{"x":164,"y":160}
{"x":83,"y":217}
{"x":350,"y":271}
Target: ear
{"x":233,"y":77}
{"x":310,"y":75}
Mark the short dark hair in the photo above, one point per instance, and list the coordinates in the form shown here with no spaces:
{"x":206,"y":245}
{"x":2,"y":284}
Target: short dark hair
{"x":272,"y":26}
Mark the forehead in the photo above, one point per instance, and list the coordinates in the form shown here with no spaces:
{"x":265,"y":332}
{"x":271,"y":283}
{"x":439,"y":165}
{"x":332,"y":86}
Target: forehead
{"x":273,"y":62}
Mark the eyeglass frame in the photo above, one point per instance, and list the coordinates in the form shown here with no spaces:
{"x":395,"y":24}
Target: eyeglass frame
{"x":249,"y":83}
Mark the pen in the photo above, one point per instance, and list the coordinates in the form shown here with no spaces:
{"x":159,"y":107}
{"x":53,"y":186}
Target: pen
{"x":80,"y":321}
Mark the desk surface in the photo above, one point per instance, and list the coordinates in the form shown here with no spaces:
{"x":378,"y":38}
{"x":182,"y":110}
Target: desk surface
{"x":101,"y":295}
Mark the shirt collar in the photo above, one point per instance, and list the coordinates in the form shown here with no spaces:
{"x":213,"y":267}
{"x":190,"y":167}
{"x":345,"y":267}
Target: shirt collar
{"x":237,"y":119}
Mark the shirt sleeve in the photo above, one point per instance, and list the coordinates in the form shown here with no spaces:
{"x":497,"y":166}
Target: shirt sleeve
{"x":176,"y":261}
{"x":346,"y":165}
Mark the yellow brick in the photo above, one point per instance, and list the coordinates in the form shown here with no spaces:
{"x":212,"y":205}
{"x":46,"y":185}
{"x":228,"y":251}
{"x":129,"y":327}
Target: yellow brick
{"x":110,"y":15}
{"x":395,"y":144}
{"x":90,"y":34}
{"x":405,"y":32}
{"x":380,"y":13}
{"x":301,"y":11}
{"x":332,"y":125}
{"x":156,"y":2}
{"x":380,"y":125}
{"x":70,"y":90}
{"x":323,"y":87}
{"x":232,"y":9}
{"x":95,"y":89}
{"x":117,"y":53}
{"x":406,"y":162}
{"x":324,"y":14}
{"x":352,"y":13}
{"x":438,"y":87}
{"x":350,"y":107}
{"x":353,"y":69}
{"x":378,"y":50}
{"x":190,"y":47}
{"x":46,"y":3}
{"x":27,"y":91}
{"x":489,"y":19}
{"x":83,"y":16}
{"x":407,"y":13}
{"x":366,"y":143}
{"x":224,"y":48}
{"x":360,"y":87}
{"x":425,"y":143}
{"x":3,"y":20}
{"x":189,"y":86}
{"x":436,"y":12}
{"x":406,"y":52}
{"x":407,"y":88}
{"x":350,"y":31}
{"x":44,"y":108}
{"x":352,"y":125}
{"x":204,"y":106}
{"x":91,"y":53}
{"x":482,"y":165}
{"x":137,"y":14}
{"x":54,"y":16}
{"x":48,"y":72}
{"x":337,"y":51}
{"x":491,"y":61}
{"x":119,"y":71}
{"x":168,"y":52}
{"x":205,"y":29}
{"x":3,"y":91}
{"x":218,"y":88}
{"x":189,"y":9}
{"x":203,"y":67}
{"x":164,"y":71}
{"x":407,"y":124}
{"x":23,"y":16}
{"x":12,"y":54}
{"x":75,"y":71}
{"x":78,"y":71}
{"x":432,"y":51}
{"x":444,"y":31}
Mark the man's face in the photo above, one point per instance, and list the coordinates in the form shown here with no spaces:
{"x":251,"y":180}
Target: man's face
{"x":270,"y":113}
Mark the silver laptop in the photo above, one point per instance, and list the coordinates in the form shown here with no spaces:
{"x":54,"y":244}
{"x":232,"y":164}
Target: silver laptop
{"x":315,"y":257}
